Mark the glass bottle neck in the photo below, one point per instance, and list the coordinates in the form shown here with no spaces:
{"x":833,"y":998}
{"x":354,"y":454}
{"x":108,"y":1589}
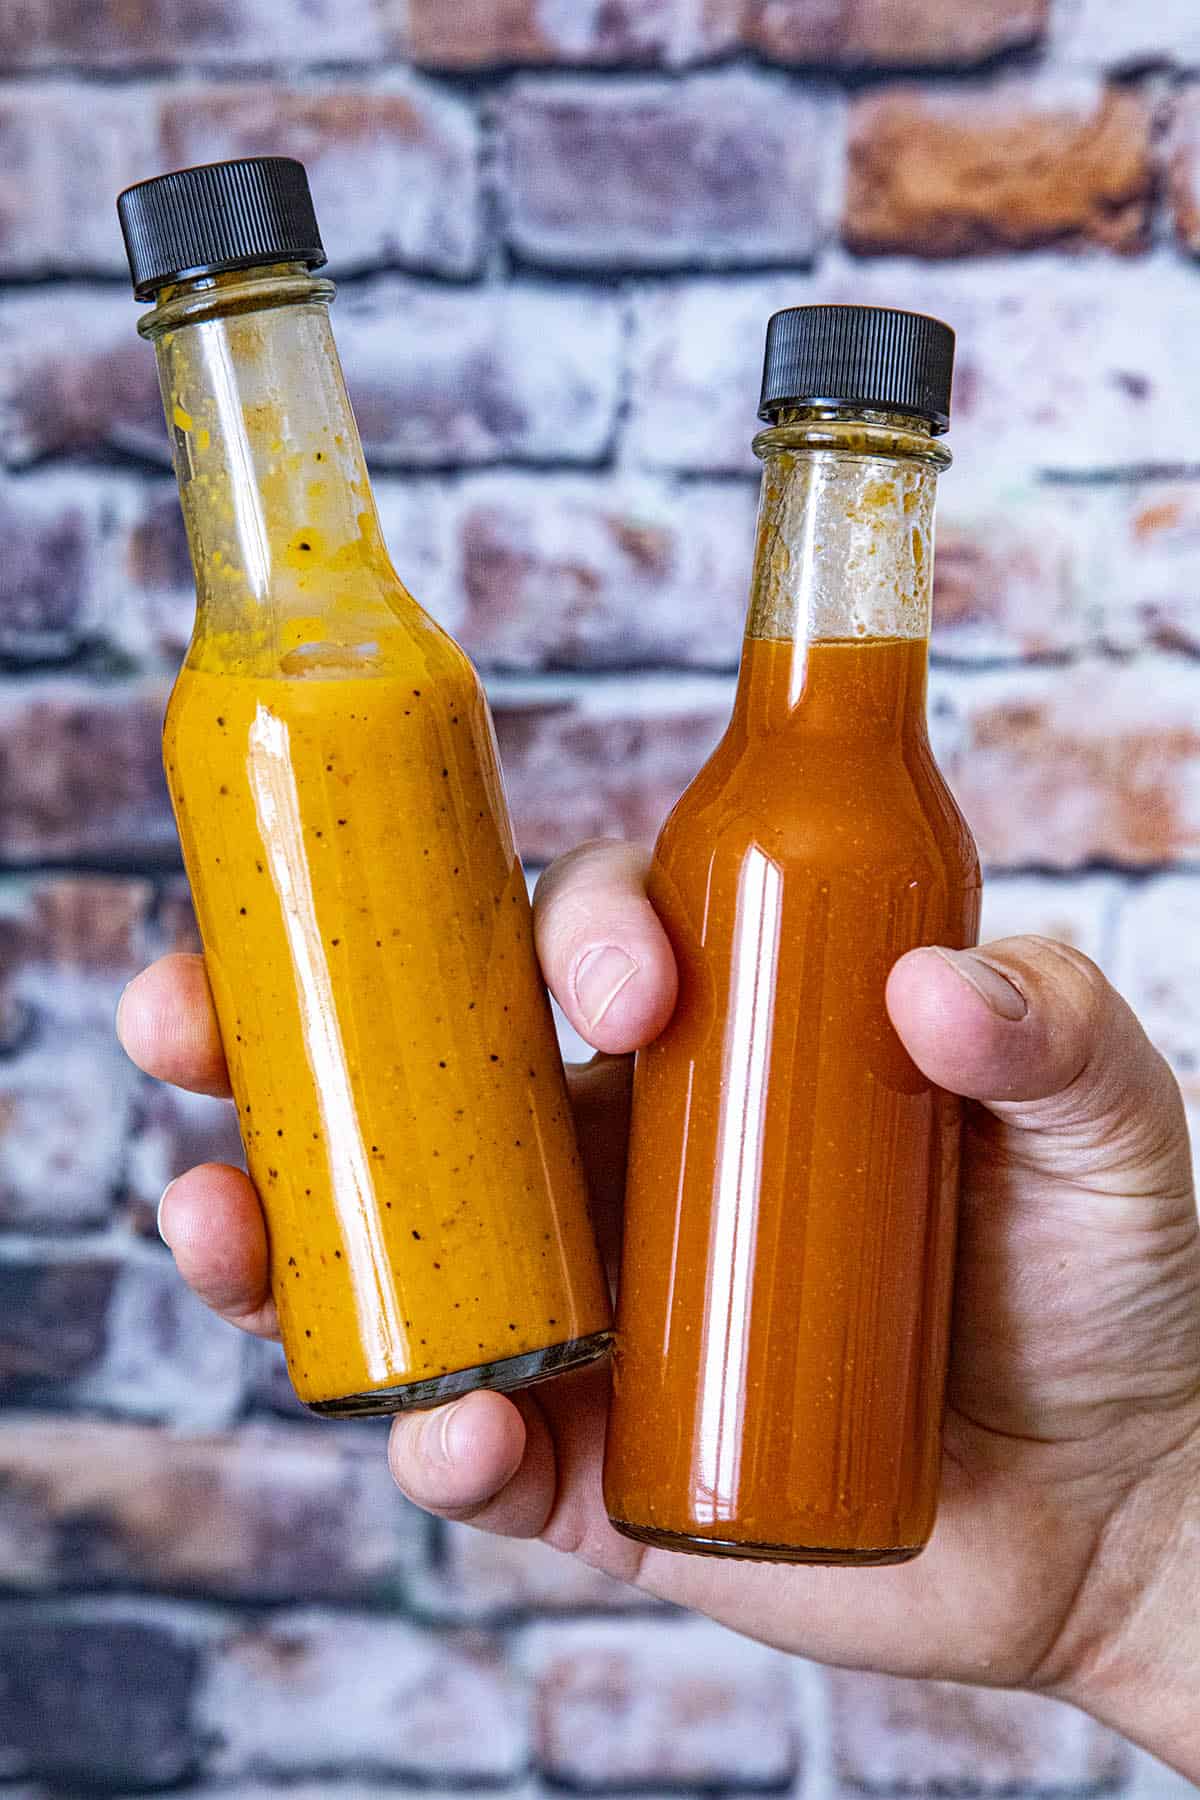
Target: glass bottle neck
{"x":281,"y":523}
{"x":840,"y":605}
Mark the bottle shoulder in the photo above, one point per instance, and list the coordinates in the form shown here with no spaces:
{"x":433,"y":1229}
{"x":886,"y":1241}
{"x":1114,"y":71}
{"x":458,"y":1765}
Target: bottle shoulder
{"x":809,"y":809}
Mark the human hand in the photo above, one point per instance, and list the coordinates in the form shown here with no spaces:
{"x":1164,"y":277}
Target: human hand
{"x":1070,"y":1496}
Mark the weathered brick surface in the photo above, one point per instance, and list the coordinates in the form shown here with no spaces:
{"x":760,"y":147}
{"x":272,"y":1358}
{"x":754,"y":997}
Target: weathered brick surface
{"x":165,"y":1357}
{"x":626,"y":1704}
{"x":437,"y":375}
{"x":54,"y":1312}
{"x":890,"y":33}
{"x":67,"y":1093}
{"x":262,"y":1515}
{"x":1056,"y":368}
{"x":1183,"y":168}
{"x":477,"y":1578}
{"x":317,"y":1691}
{"x":950,"y":172}
{"x":1056,"y":769}
{"x":1147,"y":564}
{"x":150,"y":33}
{"x":66,"y":153}
{"x":1157,"y":967}
{"x":1015,"y":575}
{"x":51,"y":531}
{"x":80,"y":773}
{"x":99,"y":1693}
{"x":1082,"y":913}
{"x":483,"y":33}
{"x":1123,"y":38}
{"x":394,"y":168}
{"x":721,"y":169}
{"x":572,"y":574}
{"x":890,"y":1736}
{"x":99,"y":1327}
{"x":610,"y":760}
{"x":518,"y":373}
{"x":76,"y":378}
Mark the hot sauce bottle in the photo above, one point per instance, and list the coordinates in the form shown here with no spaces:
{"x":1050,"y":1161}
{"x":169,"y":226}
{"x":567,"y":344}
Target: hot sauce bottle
{"x":333,"y":769}
{"x":785,"y":1291}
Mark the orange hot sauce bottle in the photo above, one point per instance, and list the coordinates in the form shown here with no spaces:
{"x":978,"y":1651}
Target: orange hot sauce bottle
{"x":784,"y":1306}
{"x":332,"y":764}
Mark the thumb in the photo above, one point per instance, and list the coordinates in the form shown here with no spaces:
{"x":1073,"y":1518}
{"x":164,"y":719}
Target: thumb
{"x":1032,"y":1029}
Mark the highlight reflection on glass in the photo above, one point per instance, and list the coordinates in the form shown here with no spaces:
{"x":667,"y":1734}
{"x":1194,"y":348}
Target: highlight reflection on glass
{"x":733,"y":1229}
{"x":277,"y":808}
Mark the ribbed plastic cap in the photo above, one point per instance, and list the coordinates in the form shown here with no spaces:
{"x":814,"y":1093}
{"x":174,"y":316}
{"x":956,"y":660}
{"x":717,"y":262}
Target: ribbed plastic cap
{"x":870,"y":356}
{"x":225,"y":215}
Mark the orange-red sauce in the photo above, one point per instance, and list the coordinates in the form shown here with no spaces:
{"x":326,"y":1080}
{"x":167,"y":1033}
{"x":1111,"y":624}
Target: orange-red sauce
{"x":785,"y":1289}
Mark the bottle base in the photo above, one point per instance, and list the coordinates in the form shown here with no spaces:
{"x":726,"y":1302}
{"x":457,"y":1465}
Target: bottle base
{"x":751,"y":1552}
{"x":500,"y":1377}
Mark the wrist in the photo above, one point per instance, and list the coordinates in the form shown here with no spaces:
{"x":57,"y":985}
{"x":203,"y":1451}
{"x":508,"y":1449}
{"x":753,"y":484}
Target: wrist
{"x":1131,"y":1653}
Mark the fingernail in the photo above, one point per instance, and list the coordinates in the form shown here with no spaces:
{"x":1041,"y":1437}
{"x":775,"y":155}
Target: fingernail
{"x":599,"y":979}
{"x":998,"y":993}
{"x":437,"y":1442}
{"x":158,"y":1215}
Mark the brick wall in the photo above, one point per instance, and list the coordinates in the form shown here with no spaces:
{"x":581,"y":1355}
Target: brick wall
{"x":560,"y":226}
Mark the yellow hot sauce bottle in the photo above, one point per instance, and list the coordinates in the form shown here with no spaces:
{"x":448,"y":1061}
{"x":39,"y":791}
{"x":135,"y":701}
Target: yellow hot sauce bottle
{"x":333,"y":769}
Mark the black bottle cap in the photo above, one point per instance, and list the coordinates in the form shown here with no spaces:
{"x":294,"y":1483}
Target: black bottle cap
{"x":224,"y":215}
{"x":869,"y":356}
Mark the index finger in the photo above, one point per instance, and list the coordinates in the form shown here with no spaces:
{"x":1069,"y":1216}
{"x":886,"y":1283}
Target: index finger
{"x":604,"y":953}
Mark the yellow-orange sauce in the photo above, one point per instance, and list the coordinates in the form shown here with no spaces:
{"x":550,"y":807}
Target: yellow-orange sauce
{"x":390,"y":1042}
{"x":785,"y":1288}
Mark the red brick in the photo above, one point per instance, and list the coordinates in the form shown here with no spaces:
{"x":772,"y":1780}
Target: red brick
{"x":892,"y":1736}
{"x":80,"y":773}
{"x":76,"y":378}
{"x":603,"y":761}
{"x":151,"y":33}
{"x":1183,"y":168}
{"x":949,"y":173}
{"x":488,"y":33}
{"x":516,"y":373}
{"x":394,"y":167}
{"x":392,"y":1700}
{"x":99,"y":1693}
{"x":668,"y":1704}
{"x":1058,"y":768}
{"x":721,"y":169}
{"x":1123,"y":38}
{"x":1056,"y":369}
{"x":1082,"y":913}
{"x":1011,"y":574}
{"x":261,"y":1515}
{"x":479,"y":1577}
{"x":1149,"y":573}
{"x":555,"y":573}
{"x":891,"y":33}
{"x":66,"y":151}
